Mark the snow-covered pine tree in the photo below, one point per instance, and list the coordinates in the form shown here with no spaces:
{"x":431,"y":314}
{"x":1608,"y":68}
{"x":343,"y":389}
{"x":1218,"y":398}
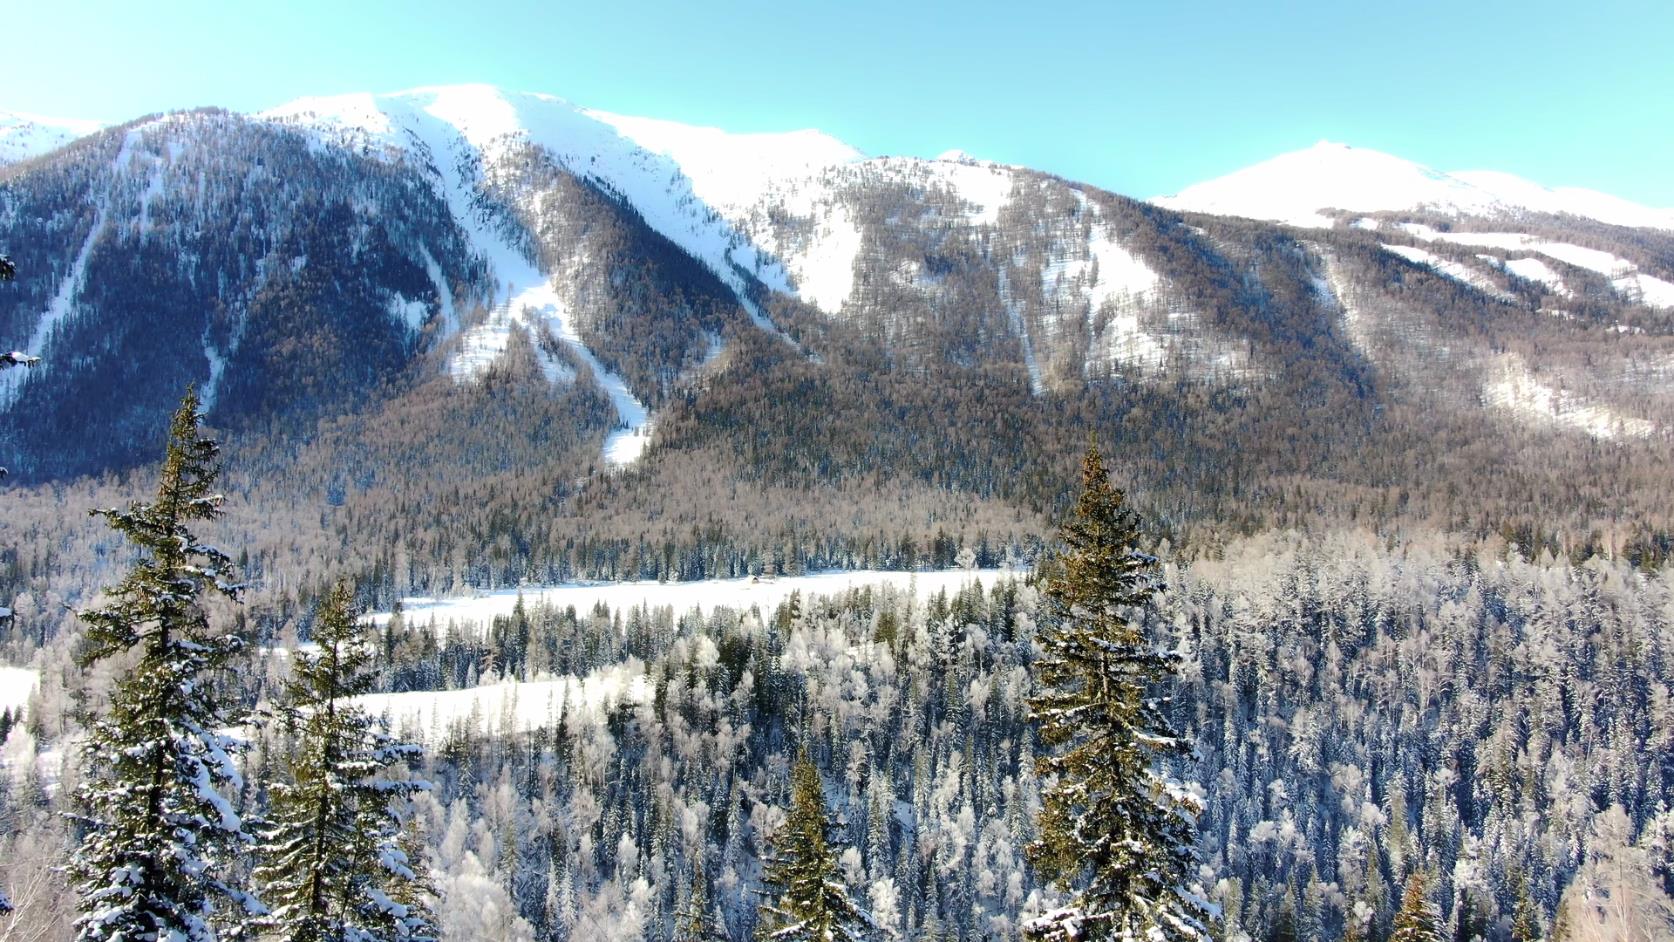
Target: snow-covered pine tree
{"x":337,"y":864}
{"x":812,"y":903}
{"x":1116,"y":832}
{"x":161,"y":835}
{"x":1418,"y":919}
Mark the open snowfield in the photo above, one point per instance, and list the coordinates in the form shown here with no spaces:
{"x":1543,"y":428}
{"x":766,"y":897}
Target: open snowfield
{"x":509,"y":707}
{"x":16,"y":685}
{"x":705,"y":595}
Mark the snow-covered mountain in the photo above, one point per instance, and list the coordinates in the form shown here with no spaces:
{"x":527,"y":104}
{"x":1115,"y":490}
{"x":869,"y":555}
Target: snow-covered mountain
{"x":445,"y":231}
{"x":1301,"y":188}
{"x":28,"y":135}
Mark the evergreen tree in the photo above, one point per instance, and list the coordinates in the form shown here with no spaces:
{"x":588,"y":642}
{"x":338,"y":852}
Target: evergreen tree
{"x":695,"y":921}
{"x":1525,"y":920}
{"x":812,"y":904}
{"x":1417,"y":920}
{"x":339,"y":865}
{"x":161,"y":835}
{"x":1115,"y":831}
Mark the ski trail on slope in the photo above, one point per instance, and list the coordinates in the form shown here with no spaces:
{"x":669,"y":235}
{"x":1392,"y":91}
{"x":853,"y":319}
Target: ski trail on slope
{"x":531,"y":299}
{"x":11,"y":382}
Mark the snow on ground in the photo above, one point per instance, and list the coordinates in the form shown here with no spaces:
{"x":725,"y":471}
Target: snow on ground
{"x":986,"y":187}
{"x":17,"y":684}
{"x":1533,"y":269}
{"x":1294,"y":188}
{"x":1517,"y":390}
{"x":25,"y":135}
{"x":705,"y":595}
{"x":1458,"y":271}
{"x":728,"y":171}
{"x":1014,"y":312}
{"x":1624,"y":276}
{"x":822,"y":269}
{"x":509,"y":707}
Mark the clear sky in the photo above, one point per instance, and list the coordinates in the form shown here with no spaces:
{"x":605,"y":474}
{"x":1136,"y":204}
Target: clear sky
{"x":1138,"y":98}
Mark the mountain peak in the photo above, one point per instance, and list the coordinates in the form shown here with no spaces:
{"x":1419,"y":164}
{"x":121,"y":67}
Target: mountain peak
{"x":24,"y":135}
{"x":1299,"y":187}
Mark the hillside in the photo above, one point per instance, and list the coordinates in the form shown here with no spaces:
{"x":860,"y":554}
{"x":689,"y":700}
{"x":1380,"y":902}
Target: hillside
{"x":465,"y":311}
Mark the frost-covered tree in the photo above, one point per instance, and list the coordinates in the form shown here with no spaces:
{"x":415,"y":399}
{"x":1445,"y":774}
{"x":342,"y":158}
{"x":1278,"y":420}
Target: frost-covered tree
{"x":337,"y":865}
{"x":808,"y":900}
{"x":1116,"y":832}
{"x":161,"y":835}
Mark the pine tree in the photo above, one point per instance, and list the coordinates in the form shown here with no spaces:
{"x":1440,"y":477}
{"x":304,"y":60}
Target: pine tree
{"x":1418,"y":919}
{"x":812,"y":904}
{"x":339,"y":864}
{"x":695,"y":921}
{"x":1525,"y":920}
{"x":1115,"y":831}
{"x":160,"y":834}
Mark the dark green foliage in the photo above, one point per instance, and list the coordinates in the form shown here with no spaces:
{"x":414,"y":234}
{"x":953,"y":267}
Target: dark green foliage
{"x":1115,"y":832}
{"x":337,"y":866}
{"x":160,"y":835}
{"x":807,"y":899}
{"x":1417,"y":920}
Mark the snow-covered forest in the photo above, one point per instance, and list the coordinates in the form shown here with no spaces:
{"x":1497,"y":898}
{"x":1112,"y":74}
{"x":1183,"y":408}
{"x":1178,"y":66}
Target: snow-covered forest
{"x":1504,"y":725}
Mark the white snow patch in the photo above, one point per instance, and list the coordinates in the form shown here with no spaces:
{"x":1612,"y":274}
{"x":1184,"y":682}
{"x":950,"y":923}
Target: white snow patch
{"x":523,"y":706}
{"x":1625,"y":277}
{"x":823,"y":271}
{"x":1533,"y":269}
{"x":1121,"y":274}
{"x":409,"y":312}
{"x":217,"y":369}
{"x":728,"y":171}
{"x":439,"y":281}
{"x":986,"y":187}
{"x":1458,"y":271}
{"x":17,"y":685}
{"x":705,"y":595}
{"x":1517,"y":390}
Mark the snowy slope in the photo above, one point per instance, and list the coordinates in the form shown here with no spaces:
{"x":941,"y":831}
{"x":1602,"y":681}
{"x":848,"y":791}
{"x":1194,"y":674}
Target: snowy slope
{"x":668,"y":181}
{"x":28,"y":135}
{"x":1295,"y":188}
{"x":677,"y":178}
{"x":456,"y":132}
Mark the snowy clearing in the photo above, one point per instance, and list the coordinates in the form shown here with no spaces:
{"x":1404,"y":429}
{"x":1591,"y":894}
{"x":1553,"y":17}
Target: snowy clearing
{"x":17,"y":684}
{"x":1625,"y":277}
{"x":1517,"y":390}
{"x":509,"y":707}
{"x":765,"y":594}
{"x":1457,"y":271}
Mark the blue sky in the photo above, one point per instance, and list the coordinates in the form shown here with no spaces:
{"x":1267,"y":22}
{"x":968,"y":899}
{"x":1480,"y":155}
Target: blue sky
{"x":1141,"y":99}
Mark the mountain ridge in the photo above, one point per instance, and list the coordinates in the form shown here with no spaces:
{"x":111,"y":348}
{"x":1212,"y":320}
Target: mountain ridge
{"x":1297,"y":188}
